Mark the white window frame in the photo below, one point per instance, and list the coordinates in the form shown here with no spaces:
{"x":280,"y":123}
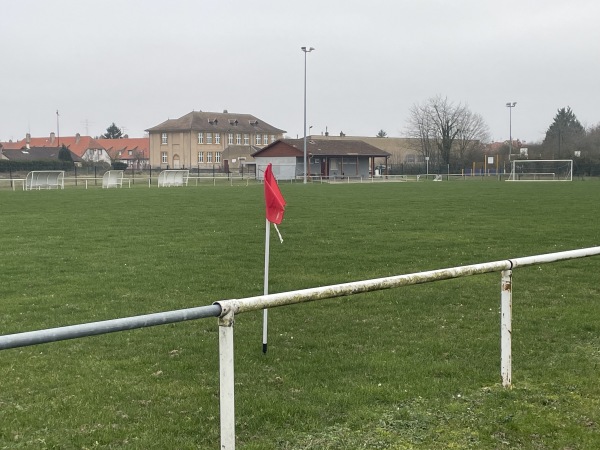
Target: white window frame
{"x":246,"y":139}
{"x":164,"y":157}
{"x":200,"y":157}
{"x":265,"y":139}
{"x":238,"y":138}
{"x":164,"y":139}
{"x":217,"y":138}
{"x":217,"y":157}
{"x":272,"y":138}
{"x":209,"y":138}
{"x":230,"y":139}
{"x":258,"y":139}
{"x":209,"y":157}
{"x":200,"y":138}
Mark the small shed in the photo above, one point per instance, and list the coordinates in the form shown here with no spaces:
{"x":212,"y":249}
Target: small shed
{"x":325,"y":158}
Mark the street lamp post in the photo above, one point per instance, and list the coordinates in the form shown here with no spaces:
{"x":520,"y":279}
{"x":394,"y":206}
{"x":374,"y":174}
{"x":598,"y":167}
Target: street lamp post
{"x":305,"y":50}
{"x":510,"y":106}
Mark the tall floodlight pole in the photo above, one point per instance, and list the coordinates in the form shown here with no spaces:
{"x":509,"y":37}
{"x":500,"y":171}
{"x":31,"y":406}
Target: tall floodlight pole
{"x":305,"y":50}
{"x":510,"y":106}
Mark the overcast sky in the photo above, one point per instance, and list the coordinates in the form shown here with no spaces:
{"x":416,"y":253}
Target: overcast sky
{"x":138,"y":63}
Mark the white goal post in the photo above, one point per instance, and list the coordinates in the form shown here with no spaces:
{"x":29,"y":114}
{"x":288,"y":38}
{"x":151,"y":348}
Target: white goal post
{"x":541,"y":170}
{"x":45,"y":179}
{"x":173,"y":178}
{"x":112,"y":178}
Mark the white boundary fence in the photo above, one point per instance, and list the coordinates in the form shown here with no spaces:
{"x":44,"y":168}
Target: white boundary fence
{"x":226,"y":310}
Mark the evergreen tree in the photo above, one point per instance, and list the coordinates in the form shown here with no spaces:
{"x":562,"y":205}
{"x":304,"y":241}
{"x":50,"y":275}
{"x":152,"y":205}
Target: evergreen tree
{"x":564,"y":134}
{"x":64,"y":154}
{"x":112,"y":132}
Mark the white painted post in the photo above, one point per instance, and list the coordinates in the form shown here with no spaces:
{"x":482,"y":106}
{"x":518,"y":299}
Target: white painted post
{"x":506,"y":328}
{"x":226,"y":381}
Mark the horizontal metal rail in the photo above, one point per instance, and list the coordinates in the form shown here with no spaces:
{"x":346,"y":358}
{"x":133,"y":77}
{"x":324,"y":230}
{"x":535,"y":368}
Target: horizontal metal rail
{"x":107,"y":326}
{"x":238,"y":306}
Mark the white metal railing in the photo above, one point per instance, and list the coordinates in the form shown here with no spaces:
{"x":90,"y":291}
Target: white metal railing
{"x":227,"y":309}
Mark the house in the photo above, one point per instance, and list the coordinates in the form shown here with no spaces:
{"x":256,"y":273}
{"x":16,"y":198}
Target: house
{"x":35,"y":154}
{"x":85,"y":147}
{"x":135,"y":152}
{"x":326,"y":158}
{"x":209,"y":141}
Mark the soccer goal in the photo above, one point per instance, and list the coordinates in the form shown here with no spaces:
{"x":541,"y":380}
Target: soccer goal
{"x":541,"y":170}
{"x":173,"y":178}
{"x":45,"y":179}
{"x":112,"y":178}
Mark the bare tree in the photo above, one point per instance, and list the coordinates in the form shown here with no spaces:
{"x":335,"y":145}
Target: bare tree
{"x":471,"y":138}
{"x":443,"y":127}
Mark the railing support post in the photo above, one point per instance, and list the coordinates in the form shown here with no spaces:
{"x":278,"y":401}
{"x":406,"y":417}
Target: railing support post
{"x":506,"y":328}
{"x":226,"y":380}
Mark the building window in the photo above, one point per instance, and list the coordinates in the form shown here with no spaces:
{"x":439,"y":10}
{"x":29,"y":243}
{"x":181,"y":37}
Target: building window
{"x":217,"y":138}
{"x":230,"y":139}
{"x":218,"y":157}
{"x":238,"y":139}
{"x":265,"y":139}
{"x":130,"y":152}
{"x":272,"y":138}
{"x":200,"y":157}
{"x":246,"y":139}
{"x":209,"y":138}
{"x":257,"y":139}
{"x":200,"y":138}
{"x":208,"y":157}
{"x":163,"y":157}
{"x":163,"y":139}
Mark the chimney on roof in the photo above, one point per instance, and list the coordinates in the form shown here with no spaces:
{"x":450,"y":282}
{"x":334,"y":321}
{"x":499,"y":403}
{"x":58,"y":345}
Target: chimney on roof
{"x":224,"y":111}
{"x":52,"y":137}
{"x":28,"y":138}
{"x":77,"y":137}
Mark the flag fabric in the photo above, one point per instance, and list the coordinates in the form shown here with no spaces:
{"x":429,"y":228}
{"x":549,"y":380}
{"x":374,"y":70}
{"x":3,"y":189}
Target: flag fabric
{"x":274,"y":201}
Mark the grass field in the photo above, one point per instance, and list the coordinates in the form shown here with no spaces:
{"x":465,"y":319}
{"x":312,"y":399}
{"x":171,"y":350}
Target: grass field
{"x":416,"y":367}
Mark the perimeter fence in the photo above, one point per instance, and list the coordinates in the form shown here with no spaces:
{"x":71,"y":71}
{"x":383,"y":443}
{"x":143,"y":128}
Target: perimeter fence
{"x":225,"y":311}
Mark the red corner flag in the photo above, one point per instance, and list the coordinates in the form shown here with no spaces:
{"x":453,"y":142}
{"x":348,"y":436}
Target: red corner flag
{"x":274,"y":201}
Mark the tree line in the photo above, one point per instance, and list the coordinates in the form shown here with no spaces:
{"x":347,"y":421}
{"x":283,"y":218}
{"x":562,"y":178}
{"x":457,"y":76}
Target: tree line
{"x":451,"y":135}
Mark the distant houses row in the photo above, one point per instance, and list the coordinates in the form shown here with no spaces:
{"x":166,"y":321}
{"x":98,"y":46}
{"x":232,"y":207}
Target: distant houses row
{"x":225,"y":142}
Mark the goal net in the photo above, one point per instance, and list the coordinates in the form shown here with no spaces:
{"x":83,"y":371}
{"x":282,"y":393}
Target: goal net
{"x":174,"y":177}
{"x":112,"y":179}
{"x":541,"y":170}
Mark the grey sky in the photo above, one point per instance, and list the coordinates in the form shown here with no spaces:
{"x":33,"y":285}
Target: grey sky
{"x":138,"y":63}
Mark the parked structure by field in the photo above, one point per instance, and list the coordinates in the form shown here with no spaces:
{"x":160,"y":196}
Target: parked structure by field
{"x":326,"y":158}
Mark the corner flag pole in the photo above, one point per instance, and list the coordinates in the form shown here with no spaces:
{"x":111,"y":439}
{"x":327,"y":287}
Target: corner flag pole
{"x":275,"y":207}
{"x":266,"y":283}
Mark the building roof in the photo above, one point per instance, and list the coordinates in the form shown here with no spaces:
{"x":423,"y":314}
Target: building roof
{"x":140,"y":148}
{"x":76,"y":144}
{"x":321,"y":147}
{"x":35,"y":154}
{"x":217,"y":122}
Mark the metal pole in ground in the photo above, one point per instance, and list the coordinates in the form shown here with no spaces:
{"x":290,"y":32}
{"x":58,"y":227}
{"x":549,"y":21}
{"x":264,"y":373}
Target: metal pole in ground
{"x":226,"y":380}
{"x":506,"y":328}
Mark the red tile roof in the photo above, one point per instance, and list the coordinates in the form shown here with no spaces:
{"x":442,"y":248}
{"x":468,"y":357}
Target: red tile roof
{"x":139,"y":146}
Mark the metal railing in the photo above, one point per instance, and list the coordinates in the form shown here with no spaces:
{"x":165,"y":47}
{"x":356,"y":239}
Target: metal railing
{"x":226,"y":310}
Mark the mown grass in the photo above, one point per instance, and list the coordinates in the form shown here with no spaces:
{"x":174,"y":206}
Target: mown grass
{"x":416,"y":367}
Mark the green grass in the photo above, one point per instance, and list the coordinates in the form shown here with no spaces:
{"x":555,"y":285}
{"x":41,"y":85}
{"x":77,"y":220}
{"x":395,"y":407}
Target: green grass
{"x":416,"y":367}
